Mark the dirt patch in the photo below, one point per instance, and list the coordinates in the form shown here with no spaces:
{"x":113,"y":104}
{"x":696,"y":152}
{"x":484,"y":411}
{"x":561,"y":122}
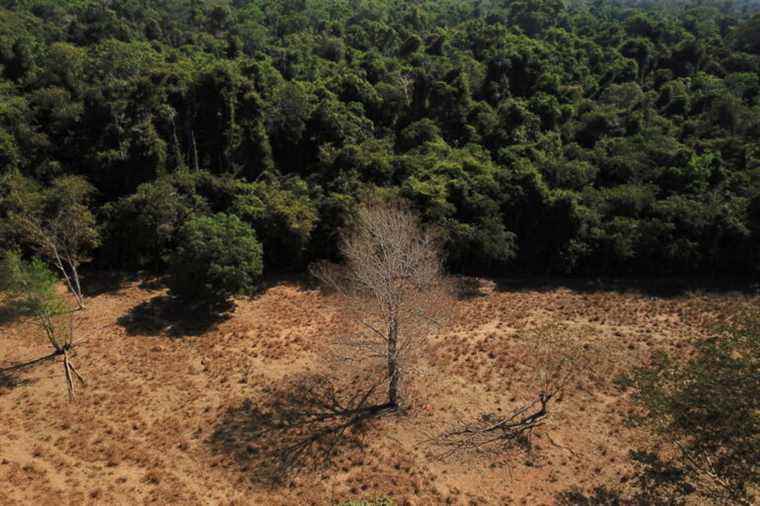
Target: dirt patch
{"x":238,"y":410}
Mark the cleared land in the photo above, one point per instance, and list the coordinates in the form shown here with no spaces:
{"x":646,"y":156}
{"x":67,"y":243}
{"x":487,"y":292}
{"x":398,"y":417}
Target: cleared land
{"x":238,"y":411}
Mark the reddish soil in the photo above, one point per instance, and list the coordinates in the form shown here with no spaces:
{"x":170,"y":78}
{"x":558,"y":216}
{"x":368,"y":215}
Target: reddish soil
{"x":179,"y":412}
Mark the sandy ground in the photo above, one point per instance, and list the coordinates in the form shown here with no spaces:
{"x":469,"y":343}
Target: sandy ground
{"x":195,"y":413}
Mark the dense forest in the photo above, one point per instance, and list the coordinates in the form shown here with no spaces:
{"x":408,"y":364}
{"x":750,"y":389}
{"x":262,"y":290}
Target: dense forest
{"x":580,"y":137}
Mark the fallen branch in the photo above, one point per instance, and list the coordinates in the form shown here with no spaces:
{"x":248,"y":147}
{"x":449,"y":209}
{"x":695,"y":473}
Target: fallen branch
{"x":492,"y":433}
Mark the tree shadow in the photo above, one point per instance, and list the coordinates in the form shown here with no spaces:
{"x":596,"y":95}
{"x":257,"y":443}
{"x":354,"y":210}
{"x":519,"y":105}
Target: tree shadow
{"x":302,"y":281}
{"x":661,"y":287}
{"x":299,"y":425}
{"x":8,"y":313}
{"x":151,"y":283}
{"x":166,"y":315}
{"x":96,"y":283}
{"x":652,"y":482}
{"x":9,"y":376}
{"x":10,"y":381}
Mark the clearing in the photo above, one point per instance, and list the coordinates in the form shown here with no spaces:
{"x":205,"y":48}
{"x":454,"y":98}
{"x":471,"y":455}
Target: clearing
{"x":236,"y":411}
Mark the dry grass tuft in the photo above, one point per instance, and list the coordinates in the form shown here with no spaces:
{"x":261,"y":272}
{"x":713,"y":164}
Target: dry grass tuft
{"x":178,"y":415}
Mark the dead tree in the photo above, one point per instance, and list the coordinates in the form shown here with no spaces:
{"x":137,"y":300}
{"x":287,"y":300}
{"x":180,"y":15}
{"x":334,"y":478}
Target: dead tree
{"x":555,"y":359}
{"x":392,"y":292}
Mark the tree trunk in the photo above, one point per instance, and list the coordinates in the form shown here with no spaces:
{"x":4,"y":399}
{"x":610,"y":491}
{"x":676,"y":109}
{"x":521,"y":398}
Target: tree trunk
{"x":75,"y":275}
{"x":392,"y":363}
{"x":69,"y":282}
{"x":179,"y":160}
{"x":194,"y":147}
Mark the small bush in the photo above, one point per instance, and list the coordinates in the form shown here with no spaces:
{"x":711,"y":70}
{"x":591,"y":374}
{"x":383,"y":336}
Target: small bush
{"x":31,"y":286}
{"x":216,"y":257}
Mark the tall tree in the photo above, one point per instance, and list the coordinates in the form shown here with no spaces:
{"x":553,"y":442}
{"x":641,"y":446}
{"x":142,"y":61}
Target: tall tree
{"x":392,"y":289}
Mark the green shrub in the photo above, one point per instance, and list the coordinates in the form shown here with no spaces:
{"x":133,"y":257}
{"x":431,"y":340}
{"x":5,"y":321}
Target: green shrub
{"x":711,"y":408}
{"x":216,"y":257}
{"x":30,"y":291}
{"x":284,"y":216}
{"x":708,"y":408}
{"x":30,"y":285}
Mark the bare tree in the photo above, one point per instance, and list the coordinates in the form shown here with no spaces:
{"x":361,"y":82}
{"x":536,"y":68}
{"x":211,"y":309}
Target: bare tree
{"x":392,"y":292}
{"x":59,"y":225}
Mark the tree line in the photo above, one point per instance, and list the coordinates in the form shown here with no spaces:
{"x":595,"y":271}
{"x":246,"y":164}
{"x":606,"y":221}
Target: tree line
{"x":581,"y":137}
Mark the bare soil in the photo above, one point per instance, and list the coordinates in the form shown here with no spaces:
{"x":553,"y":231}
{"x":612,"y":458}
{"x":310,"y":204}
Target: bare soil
{"x":181,"y":409}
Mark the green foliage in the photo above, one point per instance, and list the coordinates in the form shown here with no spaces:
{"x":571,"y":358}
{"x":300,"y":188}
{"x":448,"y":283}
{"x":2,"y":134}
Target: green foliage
{"x":216,"y":257}
{"x":710,"y":408}
{"x":31,"y":283}
{"x":543,"y":136}
{"x":461,"y":190}
{"x":18,"y":195}
{"x":748,"y":35}
{"x":56,"y":220}
{"x":140,"y":229}
{"x":32,"y":291}
{"x":284,"y":216}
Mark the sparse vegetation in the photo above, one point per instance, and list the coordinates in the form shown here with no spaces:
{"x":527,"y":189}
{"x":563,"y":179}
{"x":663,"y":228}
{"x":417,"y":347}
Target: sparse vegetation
{"x":705,"y":411}
{"x":382,"y":501}
{"x":558,"y":359}
{"x":215,"y":409}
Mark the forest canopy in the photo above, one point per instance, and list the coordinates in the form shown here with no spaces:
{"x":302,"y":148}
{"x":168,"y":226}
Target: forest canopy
{"x":578,"y":137}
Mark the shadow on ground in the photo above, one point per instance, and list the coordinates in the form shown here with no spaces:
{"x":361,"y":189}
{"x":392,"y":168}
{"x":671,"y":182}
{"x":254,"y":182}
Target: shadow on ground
{"x":303,"y":281}
{"x":166,"y":315}
{"x":10,"y":381}
{"x":10,"y":376}
{"x":298,"y":425}
{"x":97,"y":282}
{"x":8,"y":313}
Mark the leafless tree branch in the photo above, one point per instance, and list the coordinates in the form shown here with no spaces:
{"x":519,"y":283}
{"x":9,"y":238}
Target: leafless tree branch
{"x":391,"y":291}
